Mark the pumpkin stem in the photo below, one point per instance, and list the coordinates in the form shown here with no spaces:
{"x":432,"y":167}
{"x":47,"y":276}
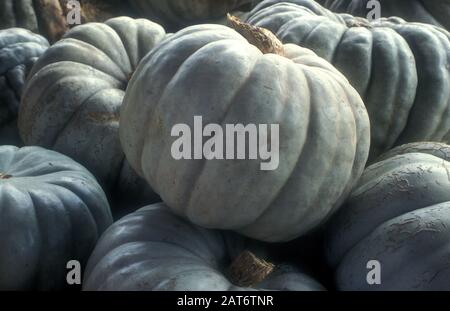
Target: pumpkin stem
{"x":260,"y":37}
{"x":5,"y":176}
{"x":248,"y":270}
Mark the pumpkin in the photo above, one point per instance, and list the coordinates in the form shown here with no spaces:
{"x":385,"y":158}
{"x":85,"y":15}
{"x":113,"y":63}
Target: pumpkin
{"x":436,"y":12}
{"x":73,"y":96}
{"x":398,"y":215}
{"x":19,"y":49}
{"x":179,"y":13}
{"x":49,"y":17}
{"x":52,"y":211}
{"x":214,"y":72}
{"x":439,"y":150}
{"x":400,"y":69}
{"x":152,"y":249}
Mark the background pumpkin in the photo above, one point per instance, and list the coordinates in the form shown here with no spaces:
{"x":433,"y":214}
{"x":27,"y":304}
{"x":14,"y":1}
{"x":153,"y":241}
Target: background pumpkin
{"x":398,"y":214}
{"x":400,"y":69}
{"x":48,"y":17}
{"x":72,"y":99}
{"x":174,"y":14}
{"x":19,"y":49}
{"x":439,"y":150}
{"x":52,"y":211}
{"x":435,"y":12}
{"x":214,"y":72}
{"x":152,"y":249}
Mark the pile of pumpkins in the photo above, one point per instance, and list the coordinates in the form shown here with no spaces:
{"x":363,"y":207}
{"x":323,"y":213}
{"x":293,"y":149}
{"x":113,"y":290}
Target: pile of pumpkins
{"x":86,"y":134}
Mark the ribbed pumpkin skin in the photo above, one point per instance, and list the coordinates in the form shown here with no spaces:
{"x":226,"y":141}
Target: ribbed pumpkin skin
{"x":398,"y":214}
{"x":400,"y":69}
{"x":52,"y":211}
{"x":179,"y":13}
{"x":435,"y":12}
{"x":152,"y":249}
{"x":213,"y":72}
{"x":72,"y":99}
{"x":19,"y":49}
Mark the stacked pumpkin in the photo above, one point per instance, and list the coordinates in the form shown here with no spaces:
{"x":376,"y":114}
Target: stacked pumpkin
{"x":112,"y":96}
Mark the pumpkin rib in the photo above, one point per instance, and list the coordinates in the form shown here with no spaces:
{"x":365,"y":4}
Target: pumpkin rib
{"x":421,"y":116}
{"x":261,"y":210}
{"x":163,"y":93}
{"x":30,"y":113}
{"x":360,"y":150}
{"x":142,"y":142}
{"x":319,"y":192}
{"x":299,"y":158}
{"x":71,"y":44}
{"x":74,"y":114}
{"x":243,"y":85}
{"x":32,"y":261}
{"x":335,"y":50}
{"x":264,"y":210}
{"x":84,"y":198}
{"x":110,"y":51}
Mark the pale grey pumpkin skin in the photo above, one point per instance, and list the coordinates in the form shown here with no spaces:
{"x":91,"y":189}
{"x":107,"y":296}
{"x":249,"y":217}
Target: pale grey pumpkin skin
{"x":52,"y":210}
{"x":398,"y":214}
{"x":439,"y":150}
{"x":435,"y":12}
{"x":152,"y":249}
{"x":19,"y":50}
{"x":213,"y":72}
{"x":179,"y":13}
{"x":72,"y":99}
{"x":400,"y":69}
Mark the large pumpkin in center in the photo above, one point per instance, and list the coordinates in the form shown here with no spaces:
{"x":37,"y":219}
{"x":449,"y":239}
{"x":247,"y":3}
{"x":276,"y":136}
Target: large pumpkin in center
{"x":214,"y":72}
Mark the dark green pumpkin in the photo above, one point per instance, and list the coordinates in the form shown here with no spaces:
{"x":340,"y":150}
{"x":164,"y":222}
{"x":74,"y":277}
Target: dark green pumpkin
{"x":400,"y":69}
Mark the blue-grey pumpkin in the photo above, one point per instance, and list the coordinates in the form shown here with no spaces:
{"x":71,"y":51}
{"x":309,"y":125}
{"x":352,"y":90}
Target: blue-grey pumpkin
{"x":73,"y":96}
{"x":399,"y":217}
{"x":401,"y":70}
{"x":19,"y":50}
{"x":152,"y":249}
{"x":214,"y":72}
{"x":435,"y":12}
{"x":52,"y":211}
